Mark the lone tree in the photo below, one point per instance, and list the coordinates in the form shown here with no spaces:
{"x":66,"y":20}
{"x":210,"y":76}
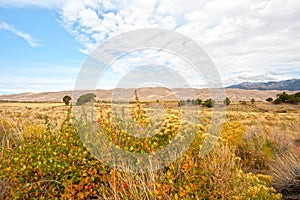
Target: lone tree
{"x":269,"y":99}
{"x":227,"y":101}
{"x":85,"y":98}
{"x":252,"y":101}
{"x":67,"y":100}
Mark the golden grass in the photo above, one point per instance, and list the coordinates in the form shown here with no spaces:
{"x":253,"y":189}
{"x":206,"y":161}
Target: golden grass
{"x":258,"y":138}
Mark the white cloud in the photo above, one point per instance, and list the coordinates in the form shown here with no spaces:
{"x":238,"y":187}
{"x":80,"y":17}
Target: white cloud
{"x":239,"y":35}
{"x":25,"y":36}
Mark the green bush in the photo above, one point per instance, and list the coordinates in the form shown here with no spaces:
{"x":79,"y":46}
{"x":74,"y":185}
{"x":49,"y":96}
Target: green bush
{"x":181,"y":103}
{"x":269,"y":99}
{"x":287,"y":98}
{"x":277,"y":101}
{"x":54,"y":165}
{"x":85,"y":98}
{"x":227,"y":101}
{"x":209,"y":103}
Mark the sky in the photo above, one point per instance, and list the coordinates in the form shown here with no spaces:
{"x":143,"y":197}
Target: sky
{"x":43,"y":44}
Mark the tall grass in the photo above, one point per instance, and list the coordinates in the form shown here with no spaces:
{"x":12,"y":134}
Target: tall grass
{"x":52,"y":163}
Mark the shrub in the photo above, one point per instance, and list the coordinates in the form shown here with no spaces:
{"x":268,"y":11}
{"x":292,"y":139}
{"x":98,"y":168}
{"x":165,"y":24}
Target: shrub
{"x":227,"y":101}
{"x":209,"y":103}
{"x":277,"y":101}
{"x":56,"y":165}
{"x":198,"y":101}
{"x":243,"y":102}
{"x":256,"y":152}
{"x":287,"y":98}
{"x":285,"y":171}
{"x":85,"y":98}
{"x":269,"y":99}
{"x":284,"y":97}
{"x":181,"y":103}
{"x":252,"y":100}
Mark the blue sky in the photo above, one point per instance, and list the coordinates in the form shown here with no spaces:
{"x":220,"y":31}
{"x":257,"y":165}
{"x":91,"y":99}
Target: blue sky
{"x":44,"y":43}
{"x":48,"y":60}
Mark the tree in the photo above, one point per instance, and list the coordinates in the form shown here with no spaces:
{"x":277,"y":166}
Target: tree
{"x":294,"y":100}
{"x":269,"y":99}
{"x":188,"y":100}
{"x":181,"y":102}
{"x":227,"y":101}
{"x":277,"y":101}
{"x":287,"y":98}
{"x":252,"y":100}
{"x":209,"y":103}
{"x":284,"y":97}
{"x":67,"y":99}
{"x":197,"y":101}
{"x":85,"y":98}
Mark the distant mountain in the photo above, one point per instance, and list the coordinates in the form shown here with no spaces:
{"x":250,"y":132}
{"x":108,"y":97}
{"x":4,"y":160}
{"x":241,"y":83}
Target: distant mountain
{"x":291,"y":85}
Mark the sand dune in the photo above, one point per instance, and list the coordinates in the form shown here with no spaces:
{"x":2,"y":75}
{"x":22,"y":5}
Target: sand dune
{"x":147,"y":93}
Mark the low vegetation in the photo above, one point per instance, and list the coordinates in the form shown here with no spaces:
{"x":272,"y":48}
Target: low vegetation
{"x":42,"y":156}
{"x":85,"y":98}
{"x":286,"y":98}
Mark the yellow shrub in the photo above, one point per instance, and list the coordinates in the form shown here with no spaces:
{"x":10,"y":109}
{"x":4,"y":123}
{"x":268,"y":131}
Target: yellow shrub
{"x":233,"y":133}
{"x":33,"y":130}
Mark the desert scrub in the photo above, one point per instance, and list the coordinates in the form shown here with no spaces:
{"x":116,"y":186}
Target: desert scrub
{"x":285,"y":170}
{"x":55,"y":166}
{"x":227,"y":180}
{"x":9,"y":134}
{"x":256,"y":151}
{"x":58,"y":166}
{"x":233,"y":133}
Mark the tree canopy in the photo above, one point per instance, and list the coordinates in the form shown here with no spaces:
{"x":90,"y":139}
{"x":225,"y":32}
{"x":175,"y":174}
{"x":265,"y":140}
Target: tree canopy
{"x":67,"y":99}
{"x":85,"y":98}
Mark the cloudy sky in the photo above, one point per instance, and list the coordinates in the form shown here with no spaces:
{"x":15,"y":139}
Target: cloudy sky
{"x":43,"y":43}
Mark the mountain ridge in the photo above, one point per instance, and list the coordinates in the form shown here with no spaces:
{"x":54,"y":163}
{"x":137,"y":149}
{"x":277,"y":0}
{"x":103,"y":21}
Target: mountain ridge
{"x":290,"y":85}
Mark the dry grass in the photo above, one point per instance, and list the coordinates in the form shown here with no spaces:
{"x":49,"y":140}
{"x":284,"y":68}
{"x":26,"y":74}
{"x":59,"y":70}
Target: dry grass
{"x":268,"y":143}
{"x":285,"y":170}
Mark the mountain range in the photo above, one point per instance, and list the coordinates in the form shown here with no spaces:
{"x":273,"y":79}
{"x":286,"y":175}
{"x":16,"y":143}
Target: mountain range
{"x":291,"y":85}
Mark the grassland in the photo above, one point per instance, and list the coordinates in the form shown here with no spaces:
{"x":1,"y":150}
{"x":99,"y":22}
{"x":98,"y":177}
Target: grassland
{"x":257,"y":155}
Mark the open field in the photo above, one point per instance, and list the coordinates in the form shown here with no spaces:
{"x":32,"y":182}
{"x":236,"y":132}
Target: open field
{"x":257,"y":155}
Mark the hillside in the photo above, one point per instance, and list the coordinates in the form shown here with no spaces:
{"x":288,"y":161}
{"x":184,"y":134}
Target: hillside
{"x":148,"y":93}
{"x":291,"y":85}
